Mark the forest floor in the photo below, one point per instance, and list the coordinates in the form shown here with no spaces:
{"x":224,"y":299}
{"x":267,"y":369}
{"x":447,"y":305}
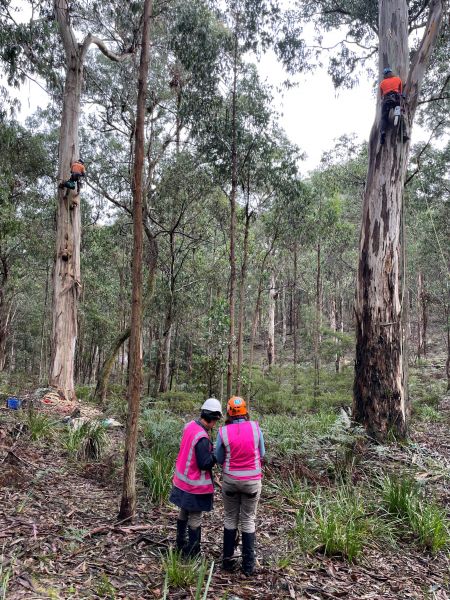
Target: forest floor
{"x":59,"y":537}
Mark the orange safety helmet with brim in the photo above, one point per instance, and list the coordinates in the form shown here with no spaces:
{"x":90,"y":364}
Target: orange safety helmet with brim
{"x":236,"y":407}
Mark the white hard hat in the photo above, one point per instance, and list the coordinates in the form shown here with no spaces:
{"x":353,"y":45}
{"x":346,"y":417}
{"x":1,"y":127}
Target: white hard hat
{"x":212,"y":405}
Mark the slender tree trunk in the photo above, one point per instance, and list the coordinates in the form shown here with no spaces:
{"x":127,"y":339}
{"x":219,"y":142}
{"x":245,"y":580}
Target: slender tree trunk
{"x":422,"y":317}
{"x":447,"y":362}
{"x":294,"y":318}
{"x":233,"y":193}
{"x":271,"y":323}
{"x":128,"y":502}
{"x":101,"y":388}
{"x":242,"y":300}
{"x":5,"y":309}
{"x":166,"y":344}
{"x":317,"y":324}
{"x":42,"y":353}
{"x":283,"y":316}
{"x":379,"y":401}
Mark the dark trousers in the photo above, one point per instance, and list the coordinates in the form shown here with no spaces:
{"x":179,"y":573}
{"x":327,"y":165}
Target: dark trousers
{"x":77,"y":178}
{"x":389,"y":101}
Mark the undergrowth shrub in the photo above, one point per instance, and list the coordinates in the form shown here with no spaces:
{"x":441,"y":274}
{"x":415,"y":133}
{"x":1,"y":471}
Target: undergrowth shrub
{"x":181,"y":402}
{"x":335,"y":522}
{"x":87,"y":442}
{"x":404,"y":500}
{"x":287,"y":435}
{"x":427,"y":413}
{"x":182,"y":573}
{"x":39,"y":425}
{"x":155,"y":470}
{"x":160,"y":441}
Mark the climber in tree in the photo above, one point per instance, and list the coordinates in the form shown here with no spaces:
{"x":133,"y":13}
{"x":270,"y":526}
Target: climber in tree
{"x":77,"y":171}
{"x":391,"y":89}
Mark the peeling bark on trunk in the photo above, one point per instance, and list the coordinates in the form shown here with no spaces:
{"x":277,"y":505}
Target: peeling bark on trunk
{"x":128,"y":502}
{"x":379,"y":401}
{"x":66,"y":271}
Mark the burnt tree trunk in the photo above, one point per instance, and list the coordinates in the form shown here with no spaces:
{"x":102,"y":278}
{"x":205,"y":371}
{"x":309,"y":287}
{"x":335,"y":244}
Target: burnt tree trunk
{"x":379,"y":400}
{"x":128,"y":502}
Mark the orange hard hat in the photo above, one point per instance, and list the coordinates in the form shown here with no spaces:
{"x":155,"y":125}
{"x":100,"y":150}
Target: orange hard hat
{"x":236,"y":406}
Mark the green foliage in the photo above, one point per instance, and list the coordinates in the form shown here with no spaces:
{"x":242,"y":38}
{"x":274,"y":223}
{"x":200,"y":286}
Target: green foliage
{"x":5,"y":576}
{"x":404,"y":499}
{"x":86,"y":442}
{"x":334,"y":522}
{"x":105,"y":588}
{"x":39,"y":425}
{"x":155,"y":470}
{"x":287,"y":435}
{"x":84,"y":392}
{"x":181,"y":573}
{"x":160,"y":438}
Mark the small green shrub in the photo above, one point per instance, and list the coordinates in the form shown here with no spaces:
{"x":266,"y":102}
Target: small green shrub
{"x":39,"y":425}
{"x":334,"y":522}
{"x":427,"y":413}
{"x":179,"y":572}
{"x":5,"y":576}
{"x":87,"y":442}
{"x":404,"y":499}
{"x":155,"y":470}
{"x":84,"y":392}
{"x":105,"y":588}
{"x":161,"y":430}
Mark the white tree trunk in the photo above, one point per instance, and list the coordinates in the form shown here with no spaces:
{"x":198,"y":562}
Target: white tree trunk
{"x":379,"y":395}
{"x":271,"y":323}
{"x":66,"y":273}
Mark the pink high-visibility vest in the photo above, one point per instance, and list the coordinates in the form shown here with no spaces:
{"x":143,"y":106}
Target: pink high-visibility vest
{"x":242,"y":457}
{"x":188,"y":476}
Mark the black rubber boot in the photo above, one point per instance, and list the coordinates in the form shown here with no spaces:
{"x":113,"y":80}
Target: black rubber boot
{"x":229,"y":544}
{"x":192,"y":547}
{"x":248,"y":553}
{"x":181,"y":539}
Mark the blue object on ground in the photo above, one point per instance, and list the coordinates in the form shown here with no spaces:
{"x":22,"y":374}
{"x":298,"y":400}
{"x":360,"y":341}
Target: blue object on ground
{"x":13,"y":403}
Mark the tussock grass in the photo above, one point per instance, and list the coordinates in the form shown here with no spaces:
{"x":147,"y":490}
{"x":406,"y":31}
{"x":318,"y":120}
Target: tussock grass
{"x":87,"y":442}
{"x":155,"y":470}
{"x":335,"y":522}
{"x":404,"y":500}
{"x":39,"y":425}
{"x":287,"y":435}
{"x":160,"y":439}
{"x":182,"y":573}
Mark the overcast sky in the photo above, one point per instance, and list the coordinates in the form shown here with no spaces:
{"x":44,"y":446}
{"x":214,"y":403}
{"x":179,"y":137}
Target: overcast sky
{"x":313,"y":113}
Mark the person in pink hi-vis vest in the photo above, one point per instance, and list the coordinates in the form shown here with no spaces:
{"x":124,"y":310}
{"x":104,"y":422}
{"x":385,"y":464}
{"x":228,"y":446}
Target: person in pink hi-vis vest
{"x":193,"y":487}
{"x":240,"y":449}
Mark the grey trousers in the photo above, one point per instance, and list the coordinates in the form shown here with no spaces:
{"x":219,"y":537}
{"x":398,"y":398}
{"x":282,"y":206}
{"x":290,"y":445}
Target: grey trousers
{"x":240,"y":502}
{"x":194,"y":519}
